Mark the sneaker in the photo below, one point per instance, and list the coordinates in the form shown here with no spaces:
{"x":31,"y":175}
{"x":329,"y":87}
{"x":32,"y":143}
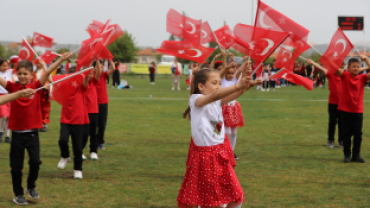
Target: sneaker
{"x":94,"y":156}
{"x":32,"y":193}
{"x":8,"y":140}
{"x":63,"y":162}
{"x":101,"y":147}
{"x":347,"y":159}
{"x":83,"y":157}
{"x":263,"y":90}
{"x":173,"y":88}
{"x":357,"y":158}
{"x":77,"y":174}
{"x":330,"y":144}
{"x":178,"y":88}
{"x":236,"y":157}
{"x":188,"y":88}
{"x":341,"y":145}
{"x":268,"y":89}
{"x":20,"y":200}
{"x":277,"y":86}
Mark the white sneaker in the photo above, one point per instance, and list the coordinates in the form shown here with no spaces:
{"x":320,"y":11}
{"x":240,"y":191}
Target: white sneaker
{"x":83,"y":157}
{"x":94,"y":156}
{"x":178,"y":88}
{"x":63,"y":162}
{"x":77,"y":174}
{"x":173,"y":88}
{"x":268,"y":89}
{"x":263,"y":90}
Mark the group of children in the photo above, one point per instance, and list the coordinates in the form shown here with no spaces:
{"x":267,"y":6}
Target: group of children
{"x":27,"y":107}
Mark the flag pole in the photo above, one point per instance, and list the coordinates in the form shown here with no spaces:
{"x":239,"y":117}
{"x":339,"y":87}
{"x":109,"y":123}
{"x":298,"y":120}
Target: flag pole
{"x":278,"y":72}
{"x":222,"y":48}
{"x":30,"y":47}
{"x":315,"y":49}
{"x":65,"y":78}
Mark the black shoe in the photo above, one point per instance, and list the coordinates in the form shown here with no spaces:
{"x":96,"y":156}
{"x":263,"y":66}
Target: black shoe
{"x":32,"y":193}
{"x":20,"y":200}
{"x":347,"y":159}
{"x":358,"y":159}
{"x":7,"y":139}
{"x":236,"y":157}
{"x":341,"y":145}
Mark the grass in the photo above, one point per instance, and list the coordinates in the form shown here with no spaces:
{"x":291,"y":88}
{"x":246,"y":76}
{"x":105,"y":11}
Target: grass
{"x":283,"y":158}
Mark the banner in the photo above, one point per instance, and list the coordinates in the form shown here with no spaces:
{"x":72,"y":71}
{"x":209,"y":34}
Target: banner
{"x":140,"y":68}
{"x":164,"y":69}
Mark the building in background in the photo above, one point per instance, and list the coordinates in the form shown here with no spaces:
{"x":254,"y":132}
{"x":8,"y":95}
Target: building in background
{"x":147,"y":56}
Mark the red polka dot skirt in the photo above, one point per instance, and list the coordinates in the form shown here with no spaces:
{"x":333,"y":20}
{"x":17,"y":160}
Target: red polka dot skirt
{"x":210,"y":179}
{"x":233,"y":115}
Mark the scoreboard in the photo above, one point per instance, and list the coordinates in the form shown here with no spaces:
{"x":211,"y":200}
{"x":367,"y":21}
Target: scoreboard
{"x":351,"y":23}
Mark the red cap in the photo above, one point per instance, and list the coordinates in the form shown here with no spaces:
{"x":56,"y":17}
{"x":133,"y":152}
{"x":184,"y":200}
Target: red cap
{"x":14,"y":59}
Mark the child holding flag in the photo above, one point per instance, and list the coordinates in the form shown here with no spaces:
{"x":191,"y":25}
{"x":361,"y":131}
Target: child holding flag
{"x":7,"y":74}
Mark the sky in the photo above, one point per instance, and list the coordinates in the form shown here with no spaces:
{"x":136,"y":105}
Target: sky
{"x":67,"y":20}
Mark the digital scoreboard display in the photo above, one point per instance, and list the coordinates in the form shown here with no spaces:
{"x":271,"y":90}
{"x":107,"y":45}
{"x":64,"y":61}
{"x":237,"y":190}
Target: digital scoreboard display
{"x":351,"y":23}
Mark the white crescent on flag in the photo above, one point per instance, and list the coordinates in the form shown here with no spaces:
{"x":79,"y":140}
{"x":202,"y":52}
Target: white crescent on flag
{"x":35,"y":38}
{"x":290,"y":53}
{"x":204,"y":34}
{"x":199,"y":53}
{"x":262,"y":23}
{"x":193,"y":29}
{"x":269,"y":46}
{"x":343,"y":42}
{"x":27,"y":51}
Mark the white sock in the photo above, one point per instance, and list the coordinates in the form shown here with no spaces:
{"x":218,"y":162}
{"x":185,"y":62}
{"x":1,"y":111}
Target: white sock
{"x":231,"y":133}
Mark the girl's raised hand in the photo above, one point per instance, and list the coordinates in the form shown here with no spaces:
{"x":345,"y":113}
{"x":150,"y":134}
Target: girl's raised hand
{"x":231,"y":65}
{"x":26,"y":92}
{"x":223,"y":53}
{"x":66,"y":56}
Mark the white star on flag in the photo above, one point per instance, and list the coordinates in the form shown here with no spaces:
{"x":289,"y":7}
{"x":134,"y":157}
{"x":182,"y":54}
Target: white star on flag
{"x":335,"y":54}
{"x":181,"y":51}
{"x":181,"y":25}
{"x":282,"y":20}
{"x":251,"y":45}
{"x":74,"y":84}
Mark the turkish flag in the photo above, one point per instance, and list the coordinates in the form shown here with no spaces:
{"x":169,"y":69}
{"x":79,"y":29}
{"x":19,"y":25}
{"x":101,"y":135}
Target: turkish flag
{"x":111,"y":34}
{"x":93,"y":28}
{"x":26,"y":52}
{"x":285,"y":59}
{"x":186,"y":50}
{"x":49,"y":56}
{"x":297,"y":79}
{"x":98,"y":52}
{"x":42,"y":40}
{"x":270,"y":19}
{"x":61,"y":91}
{"x":261,"y":45}
{"x":338,"y":50}
{"x":183,"y":27}
{"x":225,"y":36}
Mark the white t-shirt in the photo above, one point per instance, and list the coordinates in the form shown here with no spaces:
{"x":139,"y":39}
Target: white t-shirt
{"x":190,"y":71}
{"x":227,"y":83}
{"x":204,"y":121}
{"x":7,"y":75}
{"x":179,"y":67}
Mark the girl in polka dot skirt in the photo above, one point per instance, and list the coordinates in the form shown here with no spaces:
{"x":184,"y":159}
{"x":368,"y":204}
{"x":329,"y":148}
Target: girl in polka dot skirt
{"x":210,"y":180}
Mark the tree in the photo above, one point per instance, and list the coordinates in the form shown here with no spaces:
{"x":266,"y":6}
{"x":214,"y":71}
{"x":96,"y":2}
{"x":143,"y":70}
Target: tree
{"x":2,"y":51}
{"x":124,"y":48}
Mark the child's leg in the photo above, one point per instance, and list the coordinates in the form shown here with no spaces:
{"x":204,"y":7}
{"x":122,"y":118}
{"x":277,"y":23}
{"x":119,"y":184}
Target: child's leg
{"x":16,"y":162}
{"x":346,"y":132}
{"x":173,"y":80}
{"x":33,"y":149}
{"x":340,"y":137}
{"x":357,"y":133}
{"x":85,"y":136}
{"x":77,"y":136}
{"x":63,"y":140}
{"x":333,"y":117}
{"x":234,"y":205}
{"x":102,"y":122}
{"x":232,"y":136}
{"x":178,"y":81}
{"x":3,"y":124}
{"x":93,"y":118}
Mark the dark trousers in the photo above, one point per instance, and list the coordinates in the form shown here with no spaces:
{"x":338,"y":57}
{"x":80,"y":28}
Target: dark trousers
{"x":108,"y":80}
{"x":334,"y":118}
{"x":351,"y":125}
{"x":265,"y":84}
{"x":20,"y":142}
{"x":102,"y":122}
{"x":116,"y":80}
{"x":272,"y":84}
{"x":151,"y":77}
{"x":76,"y":133}
{"x":91,"y":131}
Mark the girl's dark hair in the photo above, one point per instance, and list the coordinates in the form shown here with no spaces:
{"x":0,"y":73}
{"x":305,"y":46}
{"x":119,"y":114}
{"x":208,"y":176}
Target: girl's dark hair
{"x":25,"y":64}
{"x":2,"y":60}
{"x":217,"y":64}
{"x":353,"y":60}
{"x":72,"y":70}
{"x":94,"y":63}
{"x":201,"y":77}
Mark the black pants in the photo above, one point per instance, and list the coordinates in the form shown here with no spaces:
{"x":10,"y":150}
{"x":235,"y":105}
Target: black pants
{"x":272,"y":84}
{"x":334,"y":118}
{"x":351,"y":126}
{"x":151,"y":77}
{"x":76,"y":132}
{"x":116,"y":79}
{"x":102,"y":122}
{"x":108,"y":80}
{"x":265,"y":84}
{"x":91,"y":131}
{"x":20,"y":142}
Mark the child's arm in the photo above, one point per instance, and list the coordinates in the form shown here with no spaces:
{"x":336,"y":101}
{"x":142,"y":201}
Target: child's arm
{"x":111,"y":68}
{"x":318,"y":66}
{"x":13,"y":96}
{"x":85,"y":83}
{"x":367,"y":61}
{"x":240,"y":69}
{"x":364,"y":69}
{"x":3,"y":82}
{"x":98,"y":70}
{"x":224,"y":70}
{"x":52,"y":67}
{"x":212,"y":65}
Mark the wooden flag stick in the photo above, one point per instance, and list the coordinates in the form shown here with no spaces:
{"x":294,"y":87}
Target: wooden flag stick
{"x":315,"y":49}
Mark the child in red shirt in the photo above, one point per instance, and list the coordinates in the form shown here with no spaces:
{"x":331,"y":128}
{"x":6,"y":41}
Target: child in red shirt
{"x":91,"y":103}
{"x":73,"y":121}
{"x":25,"y":120}
{"x":101,"y":90}
{"x":351,"y":107}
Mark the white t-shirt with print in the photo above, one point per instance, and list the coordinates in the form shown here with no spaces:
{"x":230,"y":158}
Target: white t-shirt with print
{"x":204,"y":121}
{"x":7,"y":75}
{"x":227,"y":83}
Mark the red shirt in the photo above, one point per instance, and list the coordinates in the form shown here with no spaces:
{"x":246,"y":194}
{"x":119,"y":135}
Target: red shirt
{"x":74,"y":111}
{"x":335,"y":87}
{"x":352,"y":96}
{"x":91,"y":99}
{"x":101,"y":89}
{"x":25,"y":113}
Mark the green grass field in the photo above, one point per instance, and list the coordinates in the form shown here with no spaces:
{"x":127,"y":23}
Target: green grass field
{"x":283,"y":162}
